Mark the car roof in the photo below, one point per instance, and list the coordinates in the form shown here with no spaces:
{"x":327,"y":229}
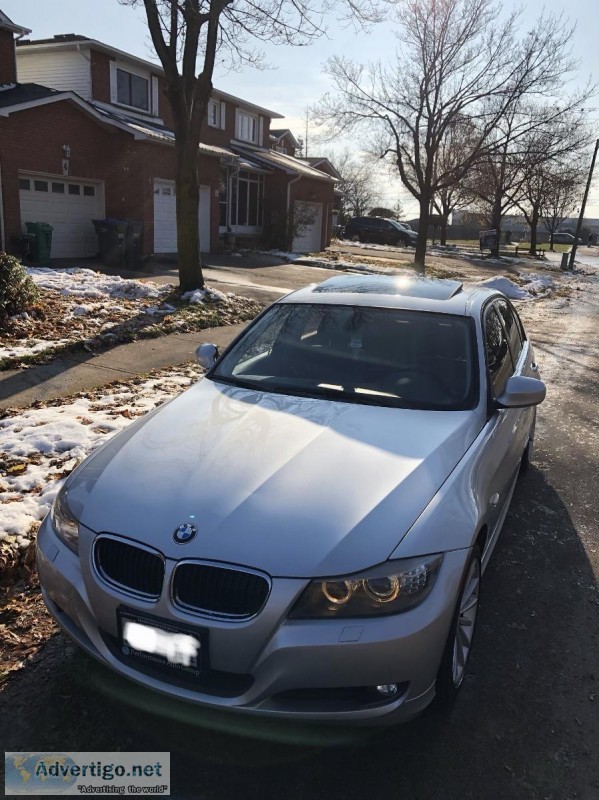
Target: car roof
{"x":395,"y":291}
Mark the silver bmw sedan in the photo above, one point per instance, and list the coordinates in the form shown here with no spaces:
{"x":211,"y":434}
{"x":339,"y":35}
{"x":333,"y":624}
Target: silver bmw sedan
{"x":302,"y":534}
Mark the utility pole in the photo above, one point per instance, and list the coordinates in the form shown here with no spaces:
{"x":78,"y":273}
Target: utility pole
{"x":582,"y":208}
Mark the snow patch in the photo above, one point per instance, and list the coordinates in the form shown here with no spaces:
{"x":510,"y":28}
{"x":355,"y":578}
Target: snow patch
{"x":535,"y":286}
{"x":31,"y":347}
{"x":41,"y":446}
{"x":198,"y":296}
{"x":288,"y":256}
{"x":80,"y":282}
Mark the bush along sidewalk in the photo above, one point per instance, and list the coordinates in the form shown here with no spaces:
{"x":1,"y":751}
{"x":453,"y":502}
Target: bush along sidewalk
{"x":18,"y":292}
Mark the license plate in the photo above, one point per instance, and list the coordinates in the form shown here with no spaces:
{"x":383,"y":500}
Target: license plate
{"x":156,"y":640}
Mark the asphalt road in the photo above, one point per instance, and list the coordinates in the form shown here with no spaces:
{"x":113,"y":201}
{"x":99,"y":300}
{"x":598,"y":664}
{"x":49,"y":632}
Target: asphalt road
{"x":527,"y":722}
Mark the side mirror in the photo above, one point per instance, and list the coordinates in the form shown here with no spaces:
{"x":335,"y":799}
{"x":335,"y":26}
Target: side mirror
{"x":521,"y":392}
{"x":206,"y":355}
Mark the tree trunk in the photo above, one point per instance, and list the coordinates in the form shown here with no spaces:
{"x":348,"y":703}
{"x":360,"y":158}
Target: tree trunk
{"x":188,"y":206}
{"x":551,"y":241}
{"x":496,"y":225}
{"x":534,"y":221}
{"x":444,"y":223}
{"x":421,"y":241}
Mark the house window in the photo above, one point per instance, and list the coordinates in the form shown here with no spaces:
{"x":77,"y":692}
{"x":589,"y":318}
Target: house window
{"x":280,"y":149}
{"x":247,"y":191}
{"x":132,"y":90}
{"x":74,"y":188}
{"x":89,"y":191}
{"x":40,"y":186}
{"x":214,"y":114}
{"x":58,"y":188}
{"x":247,"y":127}
{"x":24,"y":183}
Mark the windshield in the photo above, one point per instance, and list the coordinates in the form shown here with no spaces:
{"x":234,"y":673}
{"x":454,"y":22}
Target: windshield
{"x":379,"y":356}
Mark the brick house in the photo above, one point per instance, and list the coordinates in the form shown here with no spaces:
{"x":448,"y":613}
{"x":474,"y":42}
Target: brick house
{"x":283,"y":141}
{"x":86,"y":133}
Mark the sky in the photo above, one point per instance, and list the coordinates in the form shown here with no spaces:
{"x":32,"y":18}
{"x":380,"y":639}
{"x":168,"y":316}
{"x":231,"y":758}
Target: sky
{"x":297,"y":78}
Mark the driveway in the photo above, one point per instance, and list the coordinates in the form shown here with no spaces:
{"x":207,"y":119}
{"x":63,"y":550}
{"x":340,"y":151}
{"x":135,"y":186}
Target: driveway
{"x":527,"y":722}
{"x":263,"y":278}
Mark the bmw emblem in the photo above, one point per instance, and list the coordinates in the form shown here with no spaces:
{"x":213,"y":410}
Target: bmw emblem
{"x":185,"y":533}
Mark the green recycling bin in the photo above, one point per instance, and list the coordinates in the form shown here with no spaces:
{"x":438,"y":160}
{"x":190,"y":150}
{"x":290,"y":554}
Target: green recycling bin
{"x":41,"y":246}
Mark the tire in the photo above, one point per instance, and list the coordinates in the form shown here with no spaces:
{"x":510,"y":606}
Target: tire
{"x":459,"y":643}
{"x":527,"y":455}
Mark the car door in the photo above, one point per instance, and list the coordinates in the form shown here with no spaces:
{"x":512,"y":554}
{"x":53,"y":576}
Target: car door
{"x":376,"y":231}
{"x":365,"y":229}
{"x":505,"y":427}
{"x":524,"y":364}
{"x":388,"y":232}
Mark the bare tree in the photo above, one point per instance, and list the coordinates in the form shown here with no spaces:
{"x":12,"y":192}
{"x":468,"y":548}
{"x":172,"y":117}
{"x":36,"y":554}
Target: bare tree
{"x":456,"y":59}
{"x":561,"y":192}
{"x":527,"y":137}
{"x":454,"y":148}
{"x":185,"y":32}
{"x":357,"y":183}
{"x":399,"y":210}
{"x":546,"y":185}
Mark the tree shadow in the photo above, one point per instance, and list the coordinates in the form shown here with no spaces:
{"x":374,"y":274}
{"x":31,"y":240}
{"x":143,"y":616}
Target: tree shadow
{"x":78,"y":353}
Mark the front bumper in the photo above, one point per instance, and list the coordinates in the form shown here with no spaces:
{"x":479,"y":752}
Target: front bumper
{"x":269,"y":665}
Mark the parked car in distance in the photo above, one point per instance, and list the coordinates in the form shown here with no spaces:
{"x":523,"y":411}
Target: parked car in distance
{"x":563,"y":237}
{"x":303,"y":533}
{"x":379,"y":230}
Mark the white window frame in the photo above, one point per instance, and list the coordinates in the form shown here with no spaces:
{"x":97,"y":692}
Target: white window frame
{"x":247,"y":176}
{"x":213,"y":114}
{"x":247,"y":124}
{"x":152,"y":82}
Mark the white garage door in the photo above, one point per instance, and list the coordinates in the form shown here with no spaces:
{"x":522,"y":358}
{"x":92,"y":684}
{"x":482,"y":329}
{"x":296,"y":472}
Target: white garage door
{"x":69,"y":205}
{"x":165,"y":217}
{"x":309,"y":239}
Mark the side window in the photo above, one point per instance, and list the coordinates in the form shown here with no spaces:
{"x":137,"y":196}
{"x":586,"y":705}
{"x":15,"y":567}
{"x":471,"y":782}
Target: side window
{"x":512,"y":328}
{"x":499,"y":361}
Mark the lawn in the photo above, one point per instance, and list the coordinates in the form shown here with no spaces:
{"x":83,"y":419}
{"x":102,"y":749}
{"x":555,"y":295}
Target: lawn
{"x":81,"y":310}
{"x":522,"y":246}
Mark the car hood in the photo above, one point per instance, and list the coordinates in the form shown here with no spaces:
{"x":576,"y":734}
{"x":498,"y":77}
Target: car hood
{"x":297,"y":487}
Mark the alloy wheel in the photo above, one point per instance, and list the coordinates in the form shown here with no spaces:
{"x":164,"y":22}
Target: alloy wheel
{"x":466,"y":622}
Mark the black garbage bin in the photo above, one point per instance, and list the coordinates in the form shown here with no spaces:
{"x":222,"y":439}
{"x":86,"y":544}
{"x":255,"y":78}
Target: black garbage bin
{"x":112,"y":234}
{"x":133,"y":243}
{"x":41,"y":244}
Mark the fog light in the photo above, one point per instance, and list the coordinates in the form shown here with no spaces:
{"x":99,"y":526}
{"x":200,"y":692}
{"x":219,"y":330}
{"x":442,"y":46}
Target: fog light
{"x":387,"y":689}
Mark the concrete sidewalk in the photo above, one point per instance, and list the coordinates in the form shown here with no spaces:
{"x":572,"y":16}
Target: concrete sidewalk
{"x":77,"y":373}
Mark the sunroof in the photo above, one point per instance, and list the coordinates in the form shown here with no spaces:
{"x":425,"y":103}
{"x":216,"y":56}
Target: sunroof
{"x":399,"y":285}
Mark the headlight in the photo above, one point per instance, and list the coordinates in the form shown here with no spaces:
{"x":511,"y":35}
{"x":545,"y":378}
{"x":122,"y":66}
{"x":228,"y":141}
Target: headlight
{"x":64,"y":522}
{"x":388,"y":589}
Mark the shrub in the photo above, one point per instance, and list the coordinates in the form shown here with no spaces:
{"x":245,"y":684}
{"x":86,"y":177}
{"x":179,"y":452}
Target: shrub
{"x":17,"y":291}
{"x":286,"y":226}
